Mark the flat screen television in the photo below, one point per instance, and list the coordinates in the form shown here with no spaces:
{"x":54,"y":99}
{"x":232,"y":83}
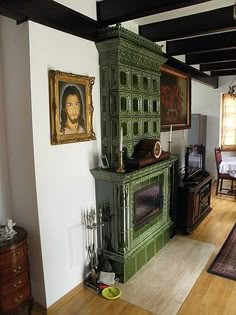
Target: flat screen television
{"x":194,"y":160}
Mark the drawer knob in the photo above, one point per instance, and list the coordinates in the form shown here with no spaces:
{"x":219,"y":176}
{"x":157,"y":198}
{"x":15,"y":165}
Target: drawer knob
{"x":19,"y":298}
{"x":17,"y":269}
{"x":17,"y":284}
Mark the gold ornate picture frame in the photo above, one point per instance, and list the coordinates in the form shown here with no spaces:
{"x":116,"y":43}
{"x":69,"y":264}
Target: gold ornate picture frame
{"x":175,"y":99}
{"x":71,"y":107}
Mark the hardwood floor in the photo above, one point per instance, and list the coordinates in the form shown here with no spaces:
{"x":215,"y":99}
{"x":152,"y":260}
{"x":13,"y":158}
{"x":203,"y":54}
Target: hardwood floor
{"x":211,"y":295}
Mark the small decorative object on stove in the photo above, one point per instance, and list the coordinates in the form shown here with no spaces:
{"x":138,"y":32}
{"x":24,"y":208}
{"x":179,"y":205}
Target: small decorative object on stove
{"x":121,"y":139}
{"x":120,"y":168}
{"x":148,"y":148}
{"x":104,"y":162}
{"x":170,"y":140}
{"x":146,"y":152}
{"x":170,"y":133}
{"x":6,"y":231}
{"x":169,"y":146}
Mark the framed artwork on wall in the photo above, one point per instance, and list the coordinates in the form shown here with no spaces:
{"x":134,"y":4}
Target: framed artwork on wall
{"x":175,"y":99}
{"x":71,"y":107}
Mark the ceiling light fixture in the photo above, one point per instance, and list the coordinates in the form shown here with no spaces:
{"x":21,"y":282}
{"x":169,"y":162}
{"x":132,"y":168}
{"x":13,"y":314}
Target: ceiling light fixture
{"x":232,"y":89}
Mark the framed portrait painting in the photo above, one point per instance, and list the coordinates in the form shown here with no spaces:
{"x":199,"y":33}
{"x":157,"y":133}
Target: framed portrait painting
{"x":71,"y":107}
{"x":175,"y":99}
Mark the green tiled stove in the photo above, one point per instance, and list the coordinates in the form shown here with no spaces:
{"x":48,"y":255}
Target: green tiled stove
{"x":130,"y":94}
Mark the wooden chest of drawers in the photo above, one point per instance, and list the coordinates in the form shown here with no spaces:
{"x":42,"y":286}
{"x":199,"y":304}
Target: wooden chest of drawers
{"x":15,"y":288}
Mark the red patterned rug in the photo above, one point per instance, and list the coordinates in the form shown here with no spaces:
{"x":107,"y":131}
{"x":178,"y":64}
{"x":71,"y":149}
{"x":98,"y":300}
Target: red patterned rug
{"x":224,"y":264}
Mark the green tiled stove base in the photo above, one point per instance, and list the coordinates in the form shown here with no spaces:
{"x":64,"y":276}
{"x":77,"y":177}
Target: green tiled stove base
{"x":126,"y":269}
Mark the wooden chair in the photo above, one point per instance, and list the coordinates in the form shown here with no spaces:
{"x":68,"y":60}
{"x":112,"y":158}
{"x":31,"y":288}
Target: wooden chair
{"x":222,"y":176}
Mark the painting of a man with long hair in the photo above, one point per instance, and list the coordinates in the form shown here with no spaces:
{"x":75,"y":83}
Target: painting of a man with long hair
{"x":72,"y":117}
{"x":71,"y":107}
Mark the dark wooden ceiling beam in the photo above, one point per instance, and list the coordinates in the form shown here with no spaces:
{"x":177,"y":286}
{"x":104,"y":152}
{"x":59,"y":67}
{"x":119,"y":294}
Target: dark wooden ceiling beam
{"x":114,"y":11}
{"x":192,"y":72}
{"x":221,"y":41}
{"x":213,"y":56}
{"x":52,"y":14}
{"x":12,"y":14}
{"x":196,"y":24}
{"x":57,"y":16}
{"x":223,"y":73}
{"x":218,"y":66}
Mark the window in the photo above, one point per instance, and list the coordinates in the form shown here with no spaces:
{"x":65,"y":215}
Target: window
{"x":228,"y":122}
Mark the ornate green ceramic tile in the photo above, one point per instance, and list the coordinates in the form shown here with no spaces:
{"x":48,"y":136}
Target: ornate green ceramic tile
{"x":141,"y":259}
{"x":136,"y":105}
{"x":129,"y":269}
{"x":150,"y":250}
{"x":136,"y":79}
{"x":128,"y":66}
{"x":104,"y":78}
{"x":130,"y":94}
{"x":125,"y":268}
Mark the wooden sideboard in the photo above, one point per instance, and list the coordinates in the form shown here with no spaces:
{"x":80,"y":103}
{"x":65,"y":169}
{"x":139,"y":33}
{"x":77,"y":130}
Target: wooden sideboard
{"x":15,"y":289}
{"x":194,"y":199}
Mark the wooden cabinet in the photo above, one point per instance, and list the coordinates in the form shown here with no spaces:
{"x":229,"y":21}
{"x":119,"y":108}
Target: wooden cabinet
{"x":15,"y":290}
{"x":194,"y":199}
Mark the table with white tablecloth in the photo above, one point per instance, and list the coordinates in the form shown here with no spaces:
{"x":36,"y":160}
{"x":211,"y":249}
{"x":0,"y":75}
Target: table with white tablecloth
{"x":228,"y":166}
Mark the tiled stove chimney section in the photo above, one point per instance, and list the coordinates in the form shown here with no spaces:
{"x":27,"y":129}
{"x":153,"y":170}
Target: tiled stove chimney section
{"x":130,"y":101}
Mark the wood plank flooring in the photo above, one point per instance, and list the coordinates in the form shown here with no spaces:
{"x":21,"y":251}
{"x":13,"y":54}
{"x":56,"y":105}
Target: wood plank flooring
{"x":211,"y":295}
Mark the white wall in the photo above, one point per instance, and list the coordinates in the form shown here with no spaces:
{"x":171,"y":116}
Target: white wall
{"x":19,"y":146}
{"x":5,"y":201}
{"x":51,"y":186}
{"x":206,"y":101}
{"x":178,"y":145}
{"x":65,"y":186}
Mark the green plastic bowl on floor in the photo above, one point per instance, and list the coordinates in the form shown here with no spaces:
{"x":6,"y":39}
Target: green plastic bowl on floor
{"x":111,"y":293}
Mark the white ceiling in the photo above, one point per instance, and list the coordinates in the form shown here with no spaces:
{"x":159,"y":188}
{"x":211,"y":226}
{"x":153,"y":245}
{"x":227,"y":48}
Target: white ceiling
{"x":198,"y":8}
